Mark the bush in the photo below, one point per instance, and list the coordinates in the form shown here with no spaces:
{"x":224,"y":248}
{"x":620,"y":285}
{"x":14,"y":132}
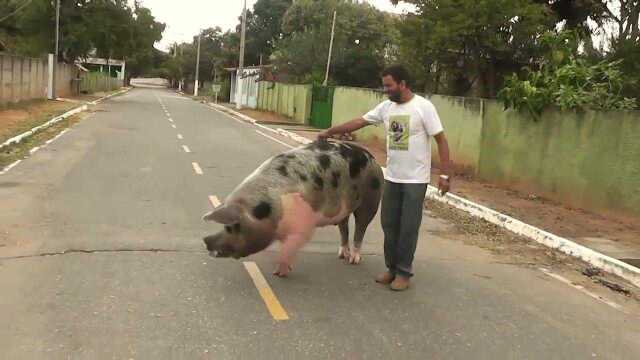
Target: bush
{"x":568,"y":82}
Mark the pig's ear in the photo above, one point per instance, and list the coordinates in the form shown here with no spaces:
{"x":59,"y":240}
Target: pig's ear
{"x":225,"y":214}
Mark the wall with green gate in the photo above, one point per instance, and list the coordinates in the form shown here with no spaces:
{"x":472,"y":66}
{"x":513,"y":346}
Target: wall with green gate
{"x":292,"y":101}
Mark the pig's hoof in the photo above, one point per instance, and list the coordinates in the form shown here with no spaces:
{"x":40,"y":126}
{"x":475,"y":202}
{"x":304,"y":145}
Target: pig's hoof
{"x":282,"y":271}
{"x":344,"y":253}
{"x":355,"y":258}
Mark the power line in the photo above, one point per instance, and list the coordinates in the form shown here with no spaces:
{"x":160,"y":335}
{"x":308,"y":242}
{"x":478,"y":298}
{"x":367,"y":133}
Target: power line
{"x":27,"y":2}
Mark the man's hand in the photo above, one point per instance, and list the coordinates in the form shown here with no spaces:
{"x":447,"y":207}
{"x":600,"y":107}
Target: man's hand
{"x":348,"y":127}
{"x":324,"y":135}
{"x":444,"y":185}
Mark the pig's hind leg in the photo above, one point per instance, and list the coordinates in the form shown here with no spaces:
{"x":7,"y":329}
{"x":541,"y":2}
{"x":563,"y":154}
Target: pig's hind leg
{"x":364,"y":214}
{"x":343,"y":251}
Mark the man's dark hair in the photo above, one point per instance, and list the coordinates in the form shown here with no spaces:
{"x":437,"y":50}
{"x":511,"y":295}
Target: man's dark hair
{"x":398,"y":73}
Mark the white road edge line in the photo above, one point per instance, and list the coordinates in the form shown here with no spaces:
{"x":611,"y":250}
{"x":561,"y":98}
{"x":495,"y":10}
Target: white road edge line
{"x":10,"y":166}
{"x":196,"y":168}
{"x":581,"y":288}
{"x":276,"y":140}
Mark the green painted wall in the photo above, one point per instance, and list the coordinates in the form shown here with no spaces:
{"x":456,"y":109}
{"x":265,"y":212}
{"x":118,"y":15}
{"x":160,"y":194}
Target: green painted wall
{"x":461,"y":118}
{"x":292,"y":101}
{"x":350,"y":103}
{"x":589,"y":159}
{"x":462,"y":122}
{"x":585,"y":159}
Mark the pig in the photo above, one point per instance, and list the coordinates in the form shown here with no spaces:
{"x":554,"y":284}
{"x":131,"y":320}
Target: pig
{"x":291,"y":194}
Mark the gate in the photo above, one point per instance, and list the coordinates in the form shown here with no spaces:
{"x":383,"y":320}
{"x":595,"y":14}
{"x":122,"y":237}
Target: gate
{"x":321,"y":106}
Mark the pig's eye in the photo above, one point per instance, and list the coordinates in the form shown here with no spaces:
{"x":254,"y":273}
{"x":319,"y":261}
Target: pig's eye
{"x":228,"y":229}
{"x":236,"y":227}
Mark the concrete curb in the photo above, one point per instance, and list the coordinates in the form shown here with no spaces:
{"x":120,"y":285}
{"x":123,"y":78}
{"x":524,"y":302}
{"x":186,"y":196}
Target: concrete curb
{"x":594,"y":258}
{"x":17,"y":139}
{"x":26,"y":134}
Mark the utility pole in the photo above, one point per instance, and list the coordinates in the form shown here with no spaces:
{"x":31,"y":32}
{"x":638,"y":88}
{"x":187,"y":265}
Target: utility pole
{"x":54,"y":64}
{"x":333,"y":28}
{"x":195,"y":90}
{"x":241,"y":63}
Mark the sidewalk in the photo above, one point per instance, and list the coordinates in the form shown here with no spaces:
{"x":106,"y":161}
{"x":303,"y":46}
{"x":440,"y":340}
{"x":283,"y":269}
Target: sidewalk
{"x":612,"y":234}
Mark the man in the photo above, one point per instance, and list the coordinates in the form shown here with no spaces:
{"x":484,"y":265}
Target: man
{"x":410,"y":121}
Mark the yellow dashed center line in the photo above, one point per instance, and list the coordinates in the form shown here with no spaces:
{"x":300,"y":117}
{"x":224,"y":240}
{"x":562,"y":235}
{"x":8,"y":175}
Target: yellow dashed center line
{"x":197,"y":168}
{"x":180,"y":136}
{"x":269,"y":298}
{"x":186,"y":148}
{"x":214,"y":201}
{"x":173,"y":126}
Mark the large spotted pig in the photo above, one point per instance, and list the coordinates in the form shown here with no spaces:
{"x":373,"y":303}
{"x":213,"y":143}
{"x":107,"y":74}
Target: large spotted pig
{"x":291,"y":194}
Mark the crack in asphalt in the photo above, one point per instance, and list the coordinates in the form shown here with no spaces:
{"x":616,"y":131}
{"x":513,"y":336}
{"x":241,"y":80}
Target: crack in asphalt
{"x":97,"y":251}
{"x":150,"y":250}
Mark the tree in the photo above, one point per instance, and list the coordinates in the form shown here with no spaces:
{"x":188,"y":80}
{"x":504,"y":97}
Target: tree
{"x":473,"y":42}
{"x":264,"y":28}
{"x":105,"y":28}
{"x":361,"y":38}
{"x":625,"y":16}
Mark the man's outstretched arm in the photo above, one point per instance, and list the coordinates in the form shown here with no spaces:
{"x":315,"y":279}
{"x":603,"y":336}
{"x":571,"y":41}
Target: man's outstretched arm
{"x":348,"y":127}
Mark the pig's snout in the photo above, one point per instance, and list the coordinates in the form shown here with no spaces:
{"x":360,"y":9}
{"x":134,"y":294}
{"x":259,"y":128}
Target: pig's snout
{"x":215,"y":246}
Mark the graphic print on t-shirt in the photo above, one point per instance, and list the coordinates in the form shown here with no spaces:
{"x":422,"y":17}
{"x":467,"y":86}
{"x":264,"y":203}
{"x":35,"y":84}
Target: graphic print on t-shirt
{"x":398,"y":134}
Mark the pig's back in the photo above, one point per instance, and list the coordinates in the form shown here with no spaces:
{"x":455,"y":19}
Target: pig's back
{"x":333,"y":177}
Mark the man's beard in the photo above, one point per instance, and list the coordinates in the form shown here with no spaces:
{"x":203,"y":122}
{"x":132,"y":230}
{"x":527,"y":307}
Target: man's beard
{"x":395,"y":96}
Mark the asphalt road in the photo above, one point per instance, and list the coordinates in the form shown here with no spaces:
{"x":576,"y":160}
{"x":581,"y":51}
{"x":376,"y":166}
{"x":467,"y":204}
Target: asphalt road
{"x":120,"y":195}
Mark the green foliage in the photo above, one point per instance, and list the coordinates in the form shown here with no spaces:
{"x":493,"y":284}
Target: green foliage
{"x":105,"y":28}
{"x":362,"y":36}
{"x":264,"y":28}
{"x":567,"y":81}
{"x":460,"y":44}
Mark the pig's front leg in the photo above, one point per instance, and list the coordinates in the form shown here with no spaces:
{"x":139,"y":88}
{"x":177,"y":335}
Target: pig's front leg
{"x":290,"y":246}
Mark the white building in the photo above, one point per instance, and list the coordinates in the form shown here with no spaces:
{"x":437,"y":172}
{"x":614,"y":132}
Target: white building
{"x":247,"y":93}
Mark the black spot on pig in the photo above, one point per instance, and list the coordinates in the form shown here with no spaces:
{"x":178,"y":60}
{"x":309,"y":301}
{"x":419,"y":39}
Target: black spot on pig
{"x":282,"y":170}
{"x":320,"y":145}
{"x":302,"y":176}
{"x":262,"y":210}
{"x":325,"y":161}
{"x":357,"y":163}
{"x":228,"y":229}
{"x":335,"y":178}
{"x":375,"y":183}
{"x":236,"y":227}
{"x":345,"y":151}
{"x":317,"y":180}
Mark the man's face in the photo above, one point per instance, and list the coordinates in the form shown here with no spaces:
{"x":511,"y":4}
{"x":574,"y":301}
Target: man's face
{"x":392,"y":88}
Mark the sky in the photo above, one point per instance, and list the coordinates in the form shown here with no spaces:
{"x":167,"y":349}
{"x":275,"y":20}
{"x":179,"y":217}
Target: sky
{"x":184,"y":18}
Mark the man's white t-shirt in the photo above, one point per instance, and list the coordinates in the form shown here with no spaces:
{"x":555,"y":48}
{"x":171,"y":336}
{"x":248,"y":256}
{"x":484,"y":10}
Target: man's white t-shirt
{"x":409,"y":127}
